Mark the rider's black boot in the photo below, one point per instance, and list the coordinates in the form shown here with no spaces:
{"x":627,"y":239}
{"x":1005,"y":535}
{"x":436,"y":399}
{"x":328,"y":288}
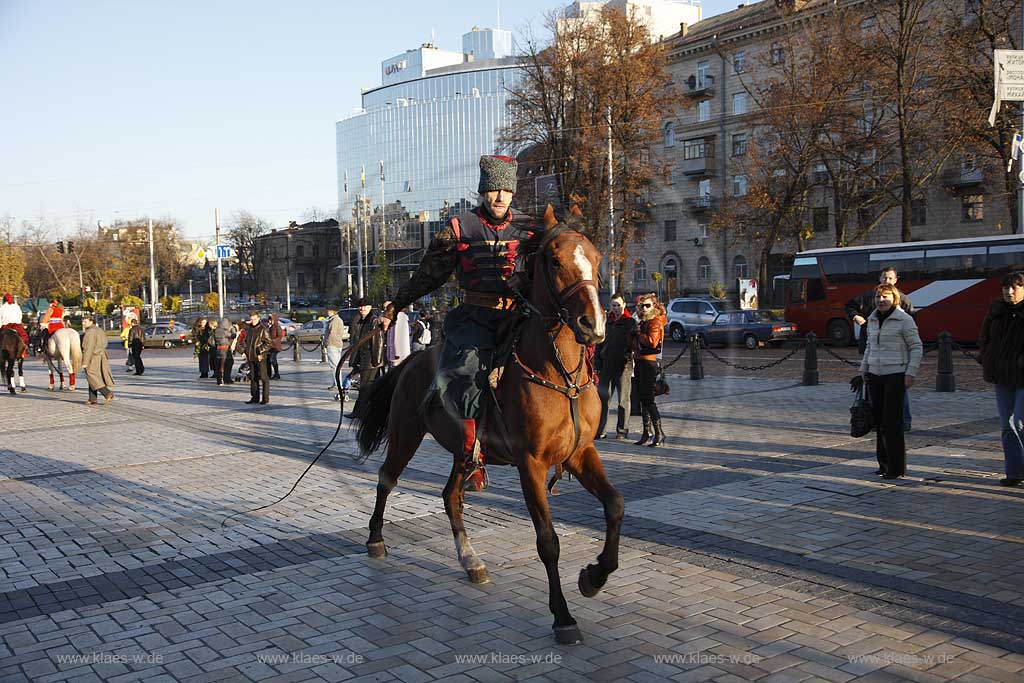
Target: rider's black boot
{"x":647,"y":430}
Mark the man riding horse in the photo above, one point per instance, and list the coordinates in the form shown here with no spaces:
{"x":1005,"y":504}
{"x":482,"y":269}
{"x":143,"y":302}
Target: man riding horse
{"x":52,"y":320}
{"x":483,"y":248}
{"x":11,"y":317}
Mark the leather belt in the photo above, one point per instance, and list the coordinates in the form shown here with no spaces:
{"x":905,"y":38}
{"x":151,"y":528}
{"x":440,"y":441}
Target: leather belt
{"x":489,"y":300}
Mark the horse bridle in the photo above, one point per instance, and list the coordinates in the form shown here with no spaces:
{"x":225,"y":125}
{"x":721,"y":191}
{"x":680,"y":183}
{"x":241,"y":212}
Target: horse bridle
{"x":572,"y":388}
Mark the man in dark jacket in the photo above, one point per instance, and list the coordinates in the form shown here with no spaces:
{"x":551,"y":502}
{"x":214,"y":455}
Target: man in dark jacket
{"x":257,"y":349}
{"x":615,"y":365}
{"x":136,"y":343}
{"x":369,"y":359}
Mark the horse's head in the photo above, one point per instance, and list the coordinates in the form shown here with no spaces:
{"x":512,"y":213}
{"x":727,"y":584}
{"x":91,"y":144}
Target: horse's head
{"x":566,"y":267}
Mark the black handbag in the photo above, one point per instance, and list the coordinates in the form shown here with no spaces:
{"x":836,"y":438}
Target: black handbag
{"x":661,"y":386}
{"x":862,"y":419}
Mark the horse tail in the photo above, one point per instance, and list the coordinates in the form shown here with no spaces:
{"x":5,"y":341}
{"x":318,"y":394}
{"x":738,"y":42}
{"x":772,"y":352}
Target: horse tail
{"x":76,"y":352}
{"x":373,"y":409}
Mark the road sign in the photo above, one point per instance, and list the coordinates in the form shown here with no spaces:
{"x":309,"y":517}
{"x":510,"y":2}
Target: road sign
{"x":1008,"y":78}
{"x":224,"y":251}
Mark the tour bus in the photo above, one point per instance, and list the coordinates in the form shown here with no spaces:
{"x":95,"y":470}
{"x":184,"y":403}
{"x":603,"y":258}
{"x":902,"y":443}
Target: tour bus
{"x":951,"y":283}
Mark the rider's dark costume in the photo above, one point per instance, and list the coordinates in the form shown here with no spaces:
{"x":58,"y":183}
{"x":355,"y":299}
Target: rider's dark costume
{"x":484,"y":254}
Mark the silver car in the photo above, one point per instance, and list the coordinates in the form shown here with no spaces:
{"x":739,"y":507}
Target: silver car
{"x":686,"y":313}
{"x":166,"y":336}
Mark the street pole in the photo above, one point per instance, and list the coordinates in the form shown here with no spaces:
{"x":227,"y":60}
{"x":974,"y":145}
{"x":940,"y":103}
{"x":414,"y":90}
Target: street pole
{"x":152,"y":272}
{"x":611,"y":209}
{"x":359,"y":247}
{"x":288,"y":271}
{"x":220,"y":272}
{"x":190,"y":290}
{"x":383,"y":224}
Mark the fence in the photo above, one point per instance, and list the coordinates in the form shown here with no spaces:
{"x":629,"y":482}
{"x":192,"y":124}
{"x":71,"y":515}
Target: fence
{"x":945,"y":380}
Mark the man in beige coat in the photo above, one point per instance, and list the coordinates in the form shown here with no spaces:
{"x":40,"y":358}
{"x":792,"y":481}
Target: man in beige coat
{"x":95,"y":362}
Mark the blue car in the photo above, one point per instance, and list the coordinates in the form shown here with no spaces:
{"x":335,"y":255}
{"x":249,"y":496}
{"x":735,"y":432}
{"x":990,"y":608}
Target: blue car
{"x":749,"y":328}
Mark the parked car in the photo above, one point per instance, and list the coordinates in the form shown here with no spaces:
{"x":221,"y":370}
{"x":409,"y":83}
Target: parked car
{"x":287,"y":324}
{"x":750,"y":328}
{"x":686,"y":313}
{"x":167,"y":336}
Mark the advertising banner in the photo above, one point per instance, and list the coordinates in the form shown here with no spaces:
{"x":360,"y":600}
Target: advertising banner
{"x":748,"y":294}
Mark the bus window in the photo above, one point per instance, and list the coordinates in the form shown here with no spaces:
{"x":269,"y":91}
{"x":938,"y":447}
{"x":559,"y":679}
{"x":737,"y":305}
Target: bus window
{"x":803,"y":291}
{"x":805,"y":267}
{"x":909,"y":265}
{"x":1005,"y":258}
{"x":958,"y":263}
{"x":845,"y":267}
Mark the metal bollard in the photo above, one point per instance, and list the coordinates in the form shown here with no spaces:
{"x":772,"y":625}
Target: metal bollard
{"x":696,"y":368}
{"x":296,"y":353}
{"x":811,"y":361}
{"x":323,"y":352}
{"x":944,"y":378}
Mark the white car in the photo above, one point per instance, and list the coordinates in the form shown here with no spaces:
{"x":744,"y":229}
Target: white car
{"x":288,"y":325}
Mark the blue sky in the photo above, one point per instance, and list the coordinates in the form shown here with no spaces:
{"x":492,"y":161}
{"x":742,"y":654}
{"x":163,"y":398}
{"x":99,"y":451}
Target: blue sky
{"x":117,"y":109}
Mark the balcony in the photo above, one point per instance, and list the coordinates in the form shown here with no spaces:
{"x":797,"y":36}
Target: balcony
{"x":958,"y":178}
{"x":701,"y":203}
{"x":700,"y":87}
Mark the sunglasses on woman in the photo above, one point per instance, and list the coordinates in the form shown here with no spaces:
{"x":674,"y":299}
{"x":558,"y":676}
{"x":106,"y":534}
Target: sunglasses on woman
{"x":645,"y":305}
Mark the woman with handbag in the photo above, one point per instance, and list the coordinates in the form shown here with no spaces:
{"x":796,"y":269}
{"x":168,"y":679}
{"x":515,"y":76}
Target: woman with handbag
{"x":647,"y":342}
{"x":891,"y":361}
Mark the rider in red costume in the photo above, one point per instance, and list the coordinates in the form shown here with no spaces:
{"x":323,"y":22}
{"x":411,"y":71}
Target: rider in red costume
{"x":52,"y":320}
{"x":11,"y":317}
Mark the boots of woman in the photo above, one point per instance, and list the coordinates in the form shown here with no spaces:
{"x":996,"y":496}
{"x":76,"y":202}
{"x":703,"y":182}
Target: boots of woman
{"x":647,"y":430}
{"x":659,"y":436}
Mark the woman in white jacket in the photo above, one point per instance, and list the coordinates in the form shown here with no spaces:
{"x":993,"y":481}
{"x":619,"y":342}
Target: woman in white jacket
{"x":891,"y":361}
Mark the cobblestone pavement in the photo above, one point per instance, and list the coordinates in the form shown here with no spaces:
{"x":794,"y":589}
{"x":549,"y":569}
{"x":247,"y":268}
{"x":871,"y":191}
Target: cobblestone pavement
{"x":757,"y":545}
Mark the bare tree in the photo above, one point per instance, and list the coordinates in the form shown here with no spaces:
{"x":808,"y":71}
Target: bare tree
{"x":587,"y":75}
{"x":243,"y":229}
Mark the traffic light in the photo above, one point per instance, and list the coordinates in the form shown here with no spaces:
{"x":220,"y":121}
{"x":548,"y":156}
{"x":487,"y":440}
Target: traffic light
{"x":71,"y":247}
{"x":60,"y":247}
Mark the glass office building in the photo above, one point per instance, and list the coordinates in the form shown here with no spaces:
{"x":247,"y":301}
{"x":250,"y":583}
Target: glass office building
{"x":425,"y":127}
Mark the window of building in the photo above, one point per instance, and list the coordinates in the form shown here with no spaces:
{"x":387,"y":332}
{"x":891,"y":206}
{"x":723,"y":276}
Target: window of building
{"x":739,"y":62}
{"x":918,"y":212}
{"x":702,"y":74}
{"x":671,"y":269}
{"x":301,"y":277}
{"x":698,"y":148}
{"x":968,"y":163}
{"x":739,"y":103}
{"x":739,"y":266}
{"x":704,"y":269}
{"x":670,"y":231}
{"x":703,"y":230}
{"x":972,"y":208}
{"x":867,"y":25}
{"x":670,"y":134}
{"x":819,"y":219}
{"x":739,"y":144}
{"x":300,"y":251}
{"x":704,"y":110}
{"x":640,"y":273}
{"x":819,"y":175}
{"x":778,"y":53}
{"x":739,"y":185}
{"x":704,"y":188}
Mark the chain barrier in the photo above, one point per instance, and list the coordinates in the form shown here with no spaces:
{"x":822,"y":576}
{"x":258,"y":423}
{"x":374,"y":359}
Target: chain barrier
{"x":287,"y":345}
{"x":685,"y":349}
{"x":835,"y":355}
{"x":752,"y":368}
{"x":975,"y":357}
{"x":315,"y":346}
{"x":928,"y":348}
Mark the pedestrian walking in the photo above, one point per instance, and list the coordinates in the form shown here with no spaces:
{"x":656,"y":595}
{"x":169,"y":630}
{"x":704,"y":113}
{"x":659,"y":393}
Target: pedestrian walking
{"x":335,"y":332}
{"x":647,"y":343}
{"x":223,"y":340}
{"x":1002,"y":363}
{"x":257,"y":349}
{"x":421,"y":335}
{"x":614,"y":361}
{"x":95,"y":361}
{"x":369,"y":359}
{"x":891,"y":360}
{"x":277,"y":343}
{"x":201,"y":346}
{"x":136,"y":343}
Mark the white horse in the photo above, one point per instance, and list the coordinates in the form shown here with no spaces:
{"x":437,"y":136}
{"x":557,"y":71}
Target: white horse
{"x":65,"y":347}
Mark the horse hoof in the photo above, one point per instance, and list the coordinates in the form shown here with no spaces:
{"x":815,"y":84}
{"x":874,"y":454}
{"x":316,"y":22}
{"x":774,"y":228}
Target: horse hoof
{"x":586,"y":588}
{"x":376,"y":550}
{"x":49,"y":388}
{"x":478,"y":575}
{"x":568,"y":635}
{"x":23,"y":389}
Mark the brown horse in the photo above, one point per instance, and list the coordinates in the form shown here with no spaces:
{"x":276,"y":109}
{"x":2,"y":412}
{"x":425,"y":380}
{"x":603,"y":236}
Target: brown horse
{"x":548,"y":404}
{"x":11,"y":350}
